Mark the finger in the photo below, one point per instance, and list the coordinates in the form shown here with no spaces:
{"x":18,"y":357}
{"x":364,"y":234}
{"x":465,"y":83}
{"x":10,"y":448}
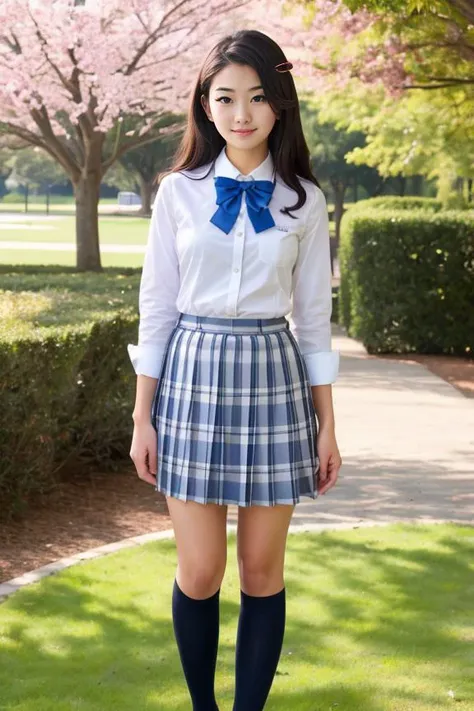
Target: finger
{"x":146,"y":476}
{"x":323,"y":468}
{"x":152,"y":464}
{"x":143,"y":470}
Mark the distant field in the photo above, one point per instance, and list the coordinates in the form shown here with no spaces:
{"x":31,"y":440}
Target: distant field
{"x":61,"y":205}
{"x":121,"y":230}
{"x":39,"y":204}
{"x":59,"y":227}
{"x":112,"y":230}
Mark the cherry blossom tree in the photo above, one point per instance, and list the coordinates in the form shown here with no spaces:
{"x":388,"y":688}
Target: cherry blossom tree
{"x":73,"y":73}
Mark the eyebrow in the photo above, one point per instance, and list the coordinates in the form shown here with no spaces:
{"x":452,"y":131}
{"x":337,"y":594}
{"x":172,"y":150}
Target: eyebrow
{"x":225,"y":88}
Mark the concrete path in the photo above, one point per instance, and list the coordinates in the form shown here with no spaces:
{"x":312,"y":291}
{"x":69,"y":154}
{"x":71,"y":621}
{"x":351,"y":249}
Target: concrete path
{"x":406,"y":438}
{"x":407,"y":442}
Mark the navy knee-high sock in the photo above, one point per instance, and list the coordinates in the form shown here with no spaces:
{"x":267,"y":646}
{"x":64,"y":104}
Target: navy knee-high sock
{"x":260,"y":635}
{"x":196,"y":628}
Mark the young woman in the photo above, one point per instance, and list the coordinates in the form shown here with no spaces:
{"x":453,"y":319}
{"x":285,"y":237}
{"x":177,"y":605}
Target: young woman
{"x":234,"y":402}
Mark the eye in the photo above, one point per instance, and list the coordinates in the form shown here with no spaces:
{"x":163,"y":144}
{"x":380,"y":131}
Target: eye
{"x":223,"y":99}
{"x":260,"y":96}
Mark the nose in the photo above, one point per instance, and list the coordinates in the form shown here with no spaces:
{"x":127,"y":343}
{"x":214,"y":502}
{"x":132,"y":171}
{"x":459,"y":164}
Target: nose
{"x":242,"y":114}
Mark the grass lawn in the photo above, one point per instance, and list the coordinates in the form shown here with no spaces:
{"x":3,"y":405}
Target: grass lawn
{"x":68,"y":259}
{"x":378,"y":619}
{"x":57,"y":204}
{"x":113,"y":230}
{"x":122,"y":230}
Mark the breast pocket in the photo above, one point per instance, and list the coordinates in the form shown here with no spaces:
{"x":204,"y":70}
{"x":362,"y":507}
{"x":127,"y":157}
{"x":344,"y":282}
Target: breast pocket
{"x":277,"y":248}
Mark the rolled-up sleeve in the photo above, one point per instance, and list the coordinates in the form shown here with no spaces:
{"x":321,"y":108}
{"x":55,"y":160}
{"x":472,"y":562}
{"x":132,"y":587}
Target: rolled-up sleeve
{"x":159,"y":286}
{"x":310,"y":319}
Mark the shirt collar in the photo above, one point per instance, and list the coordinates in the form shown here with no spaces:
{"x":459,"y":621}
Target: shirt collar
{"x":223,"y":167}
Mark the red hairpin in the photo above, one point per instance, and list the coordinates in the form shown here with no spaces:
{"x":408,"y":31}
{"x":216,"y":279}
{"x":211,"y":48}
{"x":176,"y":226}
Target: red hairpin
{"x":284,"y":67}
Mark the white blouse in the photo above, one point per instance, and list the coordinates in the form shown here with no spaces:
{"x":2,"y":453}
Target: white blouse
{"x":191,"y":266}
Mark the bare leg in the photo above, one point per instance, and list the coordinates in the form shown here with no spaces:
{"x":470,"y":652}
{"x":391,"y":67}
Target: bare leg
{"x":261,"y":544}
{"x":201,"y":542}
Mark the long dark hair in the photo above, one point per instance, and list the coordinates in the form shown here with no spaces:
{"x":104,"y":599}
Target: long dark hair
{"x":202,"y":143}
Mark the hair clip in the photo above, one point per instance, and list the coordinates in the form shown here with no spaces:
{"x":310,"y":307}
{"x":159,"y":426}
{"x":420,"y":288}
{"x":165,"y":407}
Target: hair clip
{"x":284,"y":67}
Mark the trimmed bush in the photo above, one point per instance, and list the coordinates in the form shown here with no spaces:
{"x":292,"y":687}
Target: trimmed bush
{"x":395,"y":202}
{"x":67,"y":383}
{"x":67,"y":387}
{"x":407,"y":280}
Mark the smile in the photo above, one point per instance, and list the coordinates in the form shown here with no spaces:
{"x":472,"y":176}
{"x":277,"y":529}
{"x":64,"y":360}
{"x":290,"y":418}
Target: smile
{"x":245,"y":132}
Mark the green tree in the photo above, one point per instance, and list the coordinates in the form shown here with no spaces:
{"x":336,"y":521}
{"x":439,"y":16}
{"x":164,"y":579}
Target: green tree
{"x":328,"y":147}
{"x":403,"y":74}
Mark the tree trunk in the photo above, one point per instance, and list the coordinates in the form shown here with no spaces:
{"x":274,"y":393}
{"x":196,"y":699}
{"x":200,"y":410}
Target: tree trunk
{"x":146,"y":190}
{"x":417,"y":184}
{"x":339,"y":189}
{"x":469,"y":189}
{"x":339,"y":192}
{"x":356,"y":185}
{"x":86,"y":191}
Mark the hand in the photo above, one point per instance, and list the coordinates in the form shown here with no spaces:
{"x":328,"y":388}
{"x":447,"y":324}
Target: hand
{"x":329,"y":459}
{"x":144,"y":451}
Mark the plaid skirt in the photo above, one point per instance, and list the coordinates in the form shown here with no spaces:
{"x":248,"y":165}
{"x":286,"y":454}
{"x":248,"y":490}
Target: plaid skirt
{"x":233,"y":413}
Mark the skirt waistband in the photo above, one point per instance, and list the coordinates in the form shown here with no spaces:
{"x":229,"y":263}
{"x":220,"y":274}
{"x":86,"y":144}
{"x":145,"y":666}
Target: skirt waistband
{"x":215,"y":324}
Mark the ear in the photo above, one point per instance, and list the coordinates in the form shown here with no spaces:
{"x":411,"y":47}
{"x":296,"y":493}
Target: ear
{"x":205,"y":106}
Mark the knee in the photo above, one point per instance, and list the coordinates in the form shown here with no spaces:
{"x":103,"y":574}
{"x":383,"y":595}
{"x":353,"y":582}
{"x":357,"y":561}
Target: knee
{"x":260,"y":577}
{"x":200,"y":581}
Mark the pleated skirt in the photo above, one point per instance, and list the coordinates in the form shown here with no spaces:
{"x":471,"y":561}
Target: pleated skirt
{"x":233,"y":413}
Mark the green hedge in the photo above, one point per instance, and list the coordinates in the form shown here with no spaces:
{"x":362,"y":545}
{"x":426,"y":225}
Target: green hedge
{"x":395,"y":202}
{"x":67,"y":383}
{"x":67,"y":387}
{"x":407,"y":280}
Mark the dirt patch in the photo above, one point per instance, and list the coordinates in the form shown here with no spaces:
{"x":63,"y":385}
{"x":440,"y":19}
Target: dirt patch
{"x":459,"y":372}
{"x":82,"y":513}
{"x":95,"y":509}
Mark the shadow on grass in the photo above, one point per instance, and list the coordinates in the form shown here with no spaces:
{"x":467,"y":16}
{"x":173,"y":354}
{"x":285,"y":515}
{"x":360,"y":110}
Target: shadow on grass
{"x":365,"y":610}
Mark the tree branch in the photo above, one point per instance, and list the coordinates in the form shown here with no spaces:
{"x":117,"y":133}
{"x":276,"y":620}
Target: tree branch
{"x":465,"y":8}
{"x":446,"y":85}
{"x":62,"y":155}
{"x":43,"y":44}
{"x":134,"y":143}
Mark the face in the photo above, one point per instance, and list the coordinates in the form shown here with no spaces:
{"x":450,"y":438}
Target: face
{"x":238,"y":107}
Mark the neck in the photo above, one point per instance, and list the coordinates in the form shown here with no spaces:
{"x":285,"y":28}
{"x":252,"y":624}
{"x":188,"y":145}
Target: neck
{"x":246,"y":161}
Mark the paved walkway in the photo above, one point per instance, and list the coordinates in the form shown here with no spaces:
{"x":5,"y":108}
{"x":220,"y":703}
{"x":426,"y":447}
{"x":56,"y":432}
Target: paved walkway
{"x":407,"y":442}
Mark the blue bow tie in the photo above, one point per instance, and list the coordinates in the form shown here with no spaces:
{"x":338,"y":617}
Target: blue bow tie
{"x":258,"y":194}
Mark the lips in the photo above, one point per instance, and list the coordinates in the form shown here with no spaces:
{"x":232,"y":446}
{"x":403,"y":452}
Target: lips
{"x":246,"y":132}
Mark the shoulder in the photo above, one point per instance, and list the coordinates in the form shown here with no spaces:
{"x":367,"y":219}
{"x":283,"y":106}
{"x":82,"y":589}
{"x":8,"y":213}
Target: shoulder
{"x":315,"y":198}
{"x":184,"y":176}
{"x":177,"y":182}
{"x":165,"y":187}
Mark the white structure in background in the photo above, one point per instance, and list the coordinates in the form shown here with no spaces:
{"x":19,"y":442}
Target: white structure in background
{"x":129,"y":198}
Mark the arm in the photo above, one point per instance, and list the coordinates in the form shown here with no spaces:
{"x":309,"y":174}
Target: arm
{"x":312,"y":306}
{"x":159,"y":288}
{"x":311,"y":319}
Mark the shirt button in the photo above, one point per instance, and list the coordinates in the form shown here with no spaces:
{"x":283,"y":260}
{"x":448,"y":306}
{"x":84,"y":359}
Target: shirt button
{"x":239,"y":234}
{"x":236,"y":270}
